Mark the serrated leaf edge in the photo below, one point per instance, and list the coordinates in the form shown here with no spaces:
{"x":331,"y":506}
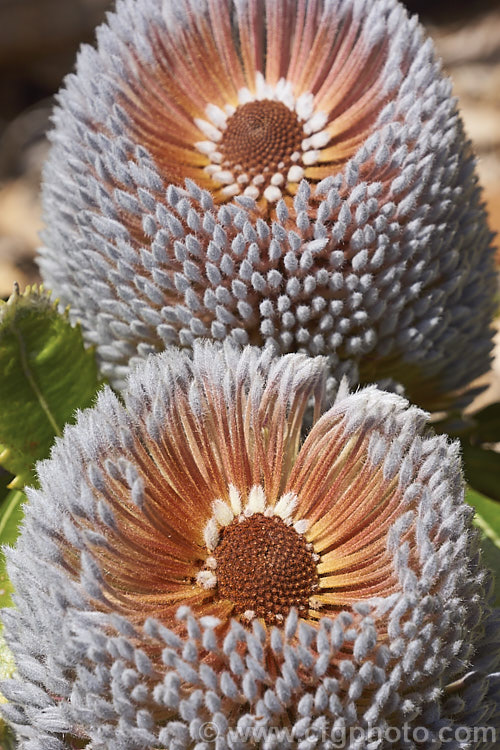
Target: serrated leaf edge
{"x":31,"y":294}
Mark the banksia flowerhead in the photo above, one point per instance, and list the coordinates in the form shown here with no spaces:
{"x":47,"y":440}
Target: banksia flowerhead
{"x":191,"y":570}
{"x":273,"y":172}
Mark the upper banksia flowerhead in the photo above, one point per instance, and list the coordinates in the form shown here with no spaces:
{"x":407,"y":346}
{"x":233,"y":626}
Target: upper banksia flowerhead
{"x":279,"y":171}
{"x":328,"y":585}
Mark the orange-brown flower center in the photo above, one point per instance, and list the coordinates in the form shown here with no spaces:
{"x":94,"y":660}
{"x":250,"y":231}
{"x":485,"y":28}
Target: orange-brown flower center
{"x":265,"y":567}
{"x":260,"y":139}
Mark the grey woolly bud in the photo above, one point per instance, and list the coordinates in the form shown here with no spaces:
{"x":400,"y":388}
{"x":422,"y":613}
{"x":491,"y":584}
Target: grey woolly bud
{"x":123,"y":633}
{"x":168,"y":219}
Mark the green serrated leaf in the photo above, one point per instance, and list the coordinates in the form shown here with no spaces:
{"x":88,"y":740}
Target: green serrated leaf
{"x":487,"y":518}
{"x":5,"y":478}
{"x":11,"y":513}
{"x":46,"y":375}
{"x":7,"y":738}
{"x":482,"y":470}
{"x":10,"y":516}
{"x":7,"y":664}
{"x":487,"y":514}
{"x":7,"y":667}
{"x":491,"y":559}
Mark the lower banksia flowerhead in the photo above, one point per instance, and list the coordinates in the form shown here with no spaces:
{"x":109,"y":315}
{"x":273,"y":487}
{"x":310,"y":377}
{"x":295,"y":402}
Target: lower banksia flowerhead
{"x":194,"y":573}
{"x":274,"y":172}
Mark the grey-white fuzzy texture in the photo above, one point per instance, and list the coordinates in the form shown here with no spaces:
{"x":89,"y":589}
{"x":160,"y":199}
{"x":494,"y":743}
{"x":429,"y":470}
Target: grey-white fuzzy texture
{"x":96,"y":662}
{"x":384,"y":265}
